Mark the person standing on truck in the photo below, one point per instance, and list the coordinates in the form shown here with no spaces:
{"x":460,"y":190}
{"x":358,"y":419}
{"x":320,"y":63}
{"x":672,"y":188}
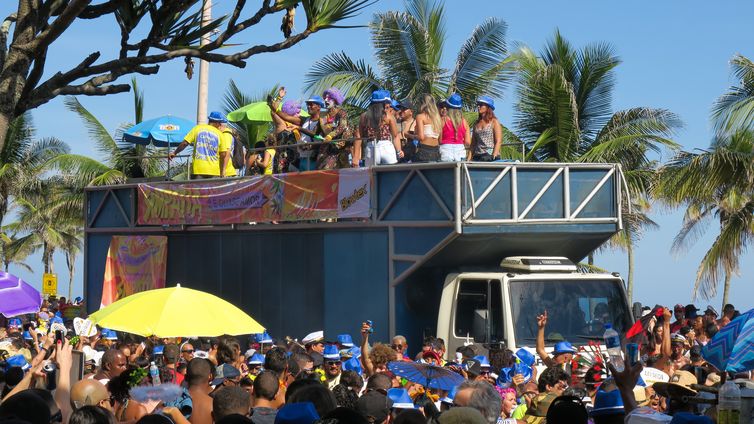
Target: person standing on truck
{"x":211,"y":148}
{"x":680,"y":318}
{"x":377,"y":140}
{"x":563,"y":352}
{"x":311,"y":128}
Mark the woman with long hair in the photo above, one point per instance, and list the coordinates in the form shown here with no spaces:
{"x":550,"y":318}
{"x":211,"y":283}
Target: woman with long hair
{"x":428,"y":128}
{"x":383,"y":146}
{"x":456,"y":136}
{"x":488,"y":133}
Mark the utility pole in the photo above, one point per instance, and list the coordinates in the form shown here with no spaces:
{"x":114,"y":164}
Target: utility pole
{"x":201,"y":105}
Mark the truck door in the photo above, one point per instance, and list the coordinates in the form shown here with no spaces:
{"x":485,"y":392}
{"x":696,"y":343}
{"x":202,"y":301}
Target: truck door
{"x":477,"y":313}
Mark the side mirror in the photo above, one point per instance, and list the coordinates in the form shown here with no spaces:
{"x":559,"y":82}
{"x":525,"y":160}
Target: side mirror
{"x":481,"y":319}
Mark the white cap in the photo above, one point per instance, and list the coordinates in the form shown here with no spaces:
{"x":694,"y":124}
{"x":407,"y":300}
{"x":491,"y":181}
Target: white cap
{"x":201,"y":354}
{"x":316,"y":336}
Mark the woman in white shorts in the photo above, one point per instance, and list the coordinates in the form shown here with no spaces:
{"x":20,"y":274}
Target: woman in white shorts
{"x":377,"y":136}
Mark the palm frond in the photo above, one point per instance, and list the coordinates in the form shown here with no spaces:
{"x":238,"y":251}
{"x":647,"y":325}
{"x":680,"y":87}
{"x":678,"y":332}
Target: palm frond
{"x":324,"y":14}
{"x":105,"y":143}
{"x":594,"y":81}
{"x":138,"y":103}
{"x":356,"y":79}
{"x":479,"y":65}
{"x":734,"y":110}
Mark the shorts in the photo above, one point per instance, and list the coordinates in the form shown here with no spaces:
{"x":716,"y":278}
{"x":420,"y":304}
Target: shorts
{"x":427,"y":154}
{"x":452,"y":152}
{"x":380,"y":153}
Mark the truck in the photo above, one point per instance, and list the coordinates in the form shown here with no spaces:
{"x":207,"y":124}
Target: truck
{"x":462,"y":251}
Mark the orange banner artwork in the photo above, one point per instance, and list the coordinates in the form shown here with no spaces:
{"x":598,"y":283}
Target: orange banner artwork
{"x":134,"y":264}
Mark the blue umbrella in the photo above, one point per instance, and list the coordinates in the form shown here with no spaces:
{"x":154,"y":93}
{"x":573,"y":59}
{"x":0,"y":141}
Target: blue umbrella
{"x":165,"y":131}
{"x":732,"y":348}
{"x":426,"y":374}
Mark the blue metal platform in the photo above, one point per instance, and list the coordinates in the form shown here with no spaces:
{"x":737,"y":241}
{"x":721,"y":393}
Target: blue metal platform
{"x":426,"y":220}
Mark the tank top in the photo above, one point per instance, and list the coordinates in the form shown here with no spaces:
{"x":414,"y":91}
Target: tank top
{"x":449,"y":136}
{"x":383,"y":135}
{"x":310,"y":125}
{"x":483,"y":140}
{"x":430,"y":132}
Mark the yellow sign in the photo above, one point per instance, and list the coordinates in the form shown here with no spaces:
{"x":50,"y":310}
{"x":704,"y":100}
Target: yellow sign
{"x":50,"y":284}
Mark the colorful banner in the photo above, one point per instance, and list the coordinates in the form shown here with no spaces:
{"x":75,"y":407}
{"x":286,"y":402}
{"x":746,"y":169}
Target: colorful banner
{"x":134,"y":264}
{"x":304,"y":196}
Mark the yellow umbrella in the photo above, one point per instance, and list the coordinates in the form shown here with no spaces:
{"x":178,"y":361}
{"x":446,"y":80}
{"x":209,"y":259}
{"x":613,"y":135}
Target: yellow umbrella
{"x":175,"y":312}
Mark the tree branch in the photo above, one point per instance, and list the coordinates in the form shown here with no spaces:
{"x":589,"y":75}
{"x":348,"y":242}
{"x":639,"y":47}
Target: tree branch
{"x":91,"y":90}
{"x":60,"y":24}
{"x":97,"y":10}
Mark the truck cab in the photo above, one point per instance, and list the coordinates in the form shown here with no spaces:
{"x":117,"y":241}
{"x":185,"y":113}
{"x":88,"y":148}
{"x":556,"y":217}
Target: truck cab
{"x":502,"y":307}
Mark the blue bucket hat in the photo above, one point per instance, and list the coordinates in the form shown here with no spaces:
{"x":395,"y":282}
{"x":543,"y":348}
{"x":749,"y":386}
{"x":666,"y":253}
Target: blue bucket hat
{"x":345,"y":340}
{"x":506,"y":374}
{"x":564,"y":347}
{"x":216,"y":116}
{"x":352,"y":364}
{"x":381,"y":96}
{"x":526,"y":357}
{"x":395,"y":104}
{"x":317,"y":100}
{"x":297,"y":413}
{"x":158,"y":350}
{"x":331,"y":353}
{"x":607,"y":403}
{"x":18,"y":361}
{"x":14,"y":322}
{"x":401,"y":399}
{"x":27,"y":336}
{"x":256,"y":359}
{"x":262,"y":337}
{"x":454,"y":101}
{"x":486,"y":100}
{"x":483,"y":361}
{"x":450,"y":396}
{"x":109,"y":334}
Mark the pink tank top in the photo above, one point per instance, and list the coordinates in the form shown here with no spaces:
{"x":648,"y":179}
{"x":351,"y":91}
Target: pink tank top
{"x":453,"y":137}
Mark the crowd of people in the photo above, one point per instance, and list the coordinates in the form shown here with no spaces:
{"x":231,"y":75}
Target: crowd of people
{"x":327,"y":378}
{"x":325,"y":137}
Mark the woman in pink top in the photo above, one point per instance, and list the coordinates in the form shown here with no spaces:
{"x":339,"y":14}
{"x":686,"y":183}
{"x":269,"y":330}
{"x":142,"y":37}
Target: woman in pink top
{"x":456,"y":137}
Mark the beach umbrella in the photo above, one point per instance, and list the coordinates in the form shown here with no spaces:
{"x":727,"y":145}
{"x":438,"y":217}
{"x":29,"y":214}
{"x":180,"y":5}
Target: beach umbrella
{"x":17,"y":297}
{"x":426,"y":374}
{"x":165,"y":131}
{"x":255,"y":113}
{"x":175,"y":312}
{"x":732,"y":348}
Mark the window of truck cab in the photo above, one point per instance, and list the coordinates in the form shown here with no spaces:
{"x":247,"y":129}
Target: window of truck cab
{"x":478,"y":297}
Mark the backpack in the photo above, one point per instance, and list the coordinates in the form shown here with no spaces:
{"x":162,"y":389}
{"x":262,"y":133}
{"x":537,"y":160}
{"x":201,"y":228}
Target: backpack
{"x":237,"y":153}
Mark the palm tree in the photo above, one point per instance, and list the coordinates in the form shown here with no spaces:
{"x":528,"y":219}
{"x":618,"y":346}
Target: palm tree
{"x":564,"y":114}
{"x":717,"y":183}
{"x":734,"y":110}
{"x":409,"y":51}
{"x":71,"y":250}
{"x":13,"y":253}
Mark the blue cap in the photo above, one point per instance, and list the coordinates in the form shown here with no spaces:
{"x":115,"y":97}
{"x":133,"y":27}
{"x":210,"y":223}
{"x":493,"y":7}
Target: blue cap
{"x":27,"y":336}
{"x":217,"y":117}
{"x":486,"y":100}
{"x":297,"y":413}
{"x":224,"y":372}
{"x":352,"y":364}
{"x":331,"y":353}
{"x":607,"y":403}
{"x":158,"y":350}
{"x":381,"y":96}
{"x":395,"y":104}
{"x":14,"y":322}
{"x":109,"y":334}
{"x":564,"y":347}
{"x":256,"y":359}
{"x":262,"y":337}
{"x":454,"y":101}
{"x":18,"y":361}
{"x":526,"y":357}
{"x":318,"y":100}
{"x":78,"y":299}
{"x":450,"y":396}
{"x":483,"y":361}
{"x":401,"y":399}
{"x":345,"y":340}
{"x":355,"y":352}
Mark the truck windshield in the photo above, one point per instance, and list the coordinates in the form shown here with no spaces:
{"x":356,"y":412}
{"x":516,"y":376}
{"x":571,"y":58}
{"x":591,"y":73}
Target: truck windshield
{"x":577,"y":309}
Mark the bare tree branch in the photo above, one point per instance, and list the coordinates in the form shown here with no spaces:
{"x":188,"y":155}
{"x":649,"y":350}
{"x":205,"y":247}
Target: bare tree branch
{"x":98,"y":10}
{"x":60,"y":24}
{"x":91,"y":90}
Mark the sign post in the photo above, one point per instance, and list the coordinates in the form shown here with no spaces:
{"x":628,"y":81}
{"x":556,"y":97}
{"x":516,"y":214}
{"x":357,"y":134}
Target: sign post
{"x":50,"y":284}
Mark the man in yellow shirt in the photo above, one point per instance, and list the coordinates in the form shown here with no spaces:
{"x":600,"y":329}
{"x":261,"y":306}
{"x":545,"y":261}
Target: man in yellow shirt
{"x":211,"y":148}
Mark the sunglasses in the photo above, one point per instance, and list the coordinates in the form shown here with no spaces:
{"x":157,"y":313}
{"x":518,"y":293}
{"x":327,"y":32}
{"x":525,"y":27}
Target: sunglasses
{"x":188,"y":351}
{"x":397,"y":346}
{"x":332,"y":363}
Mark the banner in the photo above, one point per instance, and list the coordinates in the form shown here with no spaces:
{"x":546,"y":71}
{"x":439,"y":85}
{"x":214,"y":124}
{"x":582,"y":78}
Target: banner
{"x":134,"y":264}
{"x":342,"y":193}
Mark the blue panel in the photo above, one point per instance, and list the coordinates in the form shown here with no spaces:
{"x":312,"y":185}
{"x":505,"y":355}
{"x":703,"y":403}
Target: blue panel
{"x":481,"y":178}
{"x":126,"y":198}
{"x":355,"y":283}
{"x":526,"y":230}
{"x":583,"y":181}
{"x":401,"y":266}
{"x":497,"y":204}
{"x":418,"y":241}
{"x":110,"y":215}
{"x":416,"y":203}
{"x":442,"y":180}
{"x":530,"y":181}
{"x":94,"y":269}
{"x":602,"y":204}
{"x":550,"y":205}
{"x":387,"y":185}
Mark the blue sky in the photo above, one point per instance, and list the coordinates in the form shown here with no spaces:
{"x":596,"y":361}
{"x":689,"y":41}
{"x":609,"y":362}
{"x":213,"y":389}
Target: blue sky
{"x":675,"y":55}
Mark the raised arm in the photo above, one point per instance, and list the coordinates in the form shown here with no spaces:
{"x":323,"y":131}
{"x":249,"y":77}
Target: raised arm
{"x":366,"y":361}
{"x":541,"y":324}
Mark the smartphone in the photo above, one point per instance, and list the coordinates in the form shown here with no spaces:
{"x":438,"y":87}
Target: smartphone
{"x":371,"y":326}
{"x":59,"y":337}
{"x":77,"y":366}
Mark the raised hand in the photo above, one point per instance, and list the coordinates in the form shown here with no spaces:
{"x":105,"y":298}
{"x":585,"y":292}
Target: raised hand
{"x":542,"y":320}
